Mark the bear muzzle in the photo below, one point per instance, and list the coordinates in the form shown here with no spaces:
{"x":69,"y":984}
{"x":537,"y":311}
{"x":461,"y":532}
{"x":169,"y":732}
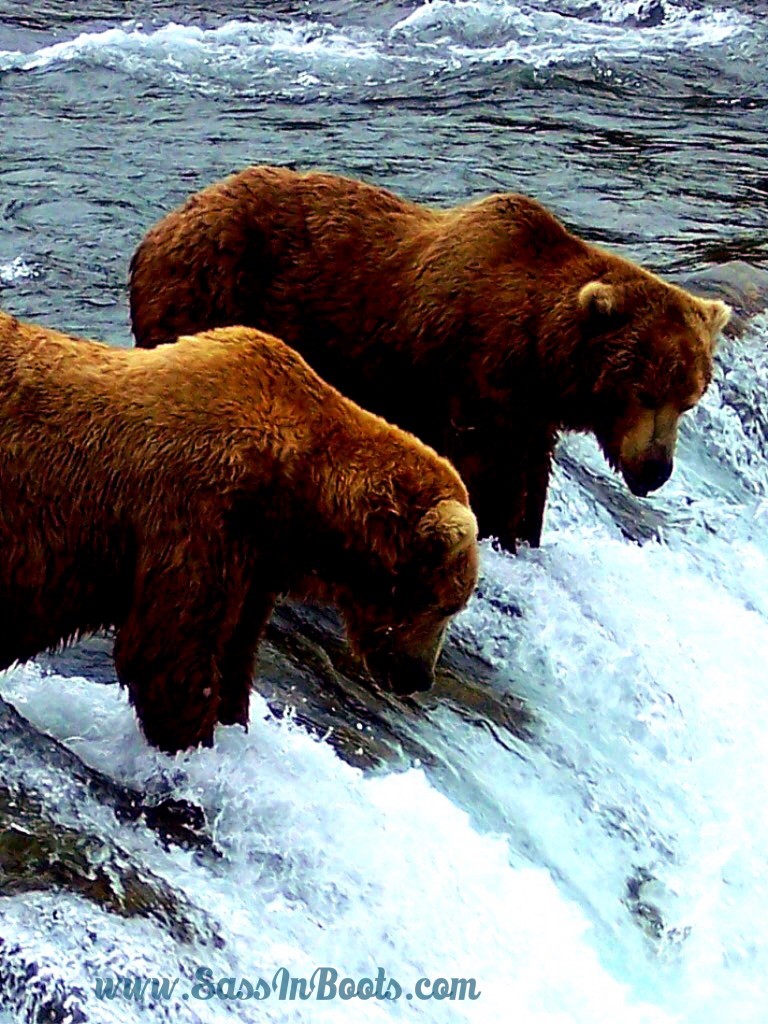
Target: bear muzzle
{"x":402,"y":673}
{"x":647,"y":476}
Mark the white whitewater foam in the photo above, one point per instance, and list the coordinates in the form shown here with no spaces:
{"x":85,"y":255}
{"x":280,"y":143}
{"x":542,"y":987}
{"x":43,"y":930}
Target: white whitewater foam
{"x":436,"y":34}
{"x":371,"y":871}
{"x":176,"y":44}
{"x":17,"y":270}
{"x":494,"y":30}
{"x":648,"y":677}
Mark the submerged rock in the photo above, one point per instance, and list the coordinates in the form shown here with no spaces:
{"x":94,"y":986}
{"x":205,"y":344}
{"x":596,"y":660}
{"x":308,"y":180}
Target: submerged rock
{"x":38,"y":854}
{"x":305,"y":668}
{"x":742,"y":285}
{"x":176,"y":822}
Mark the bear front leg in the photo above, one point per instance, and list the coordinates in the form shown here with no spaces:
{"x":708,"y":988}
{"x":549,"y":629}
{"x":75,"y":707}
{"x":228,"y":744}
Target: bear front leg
{"x":173,"y":682}
{"x":237,"y":665}
{"x":169,"y":649}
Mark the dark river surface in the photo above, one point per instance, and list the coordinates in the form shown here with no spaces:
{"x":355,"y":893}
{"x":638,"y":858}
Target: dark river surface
{"x":577,"y":820}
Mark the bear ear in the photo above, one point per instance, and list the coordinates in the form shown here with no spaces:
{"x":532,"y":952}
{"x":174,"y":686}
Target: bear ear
{"x":600,"y":298}
{"x":450,"y":525}
{"x":716,"y":314}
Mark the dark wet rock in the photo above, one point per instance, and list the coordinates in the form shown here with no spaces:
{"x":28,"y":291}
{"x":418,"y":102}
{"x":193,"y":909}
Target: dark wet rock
{"x":90,"y":659}
{"x":743,"y":285}
{"x":39,"y":854}
{"x":305,"y":668}
{"x":643,"y":897}
{"x":646,"y":913}
{"x":176,"y":822}
{"x":650,"y":14}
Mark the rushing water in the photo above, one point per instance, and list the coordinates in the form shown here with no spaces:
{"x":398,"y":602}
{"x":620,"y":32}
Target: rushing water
{"x":610,"y":861}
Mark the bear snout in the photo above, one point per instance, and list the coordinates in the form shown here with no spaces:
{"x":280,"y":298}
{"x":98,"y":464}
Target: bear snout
{"x":403,"y":674}
{"x":411,"y":675}
{"x":648,"y":476}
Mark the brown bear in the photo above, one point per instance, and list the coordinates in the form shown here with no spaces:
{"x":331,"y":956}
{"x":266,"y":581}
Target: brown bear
{"x":176,"y":493}
{"x":485,"y":330}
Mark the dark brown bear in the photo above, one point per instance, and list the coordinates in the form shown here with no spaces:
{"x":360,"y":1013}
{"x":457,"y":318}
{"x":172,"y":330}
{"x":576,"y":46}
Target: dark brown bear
{"x":485,"y":329}
{"x":176,"y":493}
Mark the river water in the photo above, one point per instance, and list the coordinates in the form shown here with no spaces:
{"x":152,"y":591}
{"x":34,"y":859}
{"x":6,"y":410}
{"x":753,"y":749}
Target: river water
{"x":609,"y":862}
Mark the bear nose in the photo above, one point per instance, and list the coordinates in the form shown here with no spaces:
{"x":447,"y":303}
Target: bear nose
{"x":650,"y":476}
{"x":410,"y":675}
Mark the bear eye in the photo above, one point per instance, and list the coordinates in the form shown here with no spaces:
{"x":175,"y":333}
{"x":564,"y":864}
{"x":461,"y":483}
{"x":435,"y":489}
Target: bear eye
{"x":647,"y":400}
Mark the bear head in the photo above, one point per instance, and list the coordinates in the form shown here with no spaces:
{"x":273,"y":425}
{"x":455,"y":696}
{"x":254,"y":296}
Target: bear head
{"x":396,"y":616}
{"x":651,"y":357}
